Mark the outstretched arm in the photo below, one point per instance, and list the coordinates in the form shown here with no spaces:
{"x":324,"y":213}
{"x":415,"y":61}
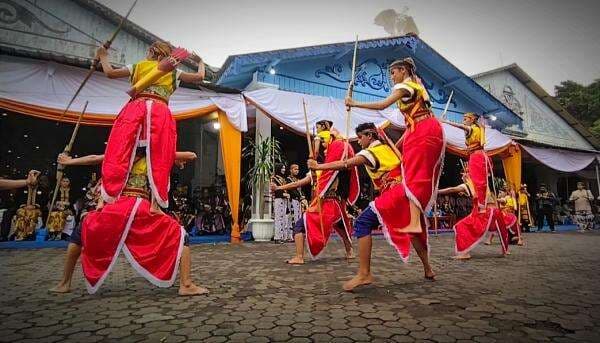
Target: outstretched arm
{"x":88,"y":160}
{"x":185,"y":156}
{"x":107,"y":68}
{"x":460,"y":126}
{"x":462,"y":188}
{"x":15,"y":184}
{"x":379,"y":105}
{"x":355,"y":161}
{"x":182,"y":157}
{"x":12,"y":184}
{"x":196,"y":77}
{"x":292,"y":185}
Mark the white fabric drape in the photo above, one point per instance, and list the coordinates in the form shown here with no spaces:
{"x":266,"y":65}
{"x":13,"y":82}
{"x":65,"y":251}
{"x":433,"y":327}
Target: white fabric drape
{"x":494,"y":139}
{"x":51,"y":85}
{"x":562,"y":160}
{"x":286,"y":108}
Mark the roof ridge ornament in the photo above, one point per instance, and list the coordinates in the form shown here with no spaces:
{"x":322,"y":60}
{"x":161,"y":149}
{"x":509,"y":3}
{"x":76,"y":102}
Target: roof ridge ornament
{"x":396,"y":24}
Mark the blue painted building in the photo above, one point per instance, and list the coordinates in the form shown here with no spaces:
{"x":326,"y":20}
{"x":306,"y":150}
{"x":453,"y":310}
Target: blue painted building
{"x":325,"y":70}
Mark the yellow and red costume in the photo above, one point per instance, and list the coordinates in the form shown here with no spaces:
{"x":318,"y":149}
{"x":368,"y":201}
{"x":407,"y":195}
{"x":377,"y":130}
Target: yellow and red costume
{"x":384,"y":169}
{"x":484,"y":216}
{"x":422,"y":151}
{"x":509,"y":208}
{"x":472,"y":229}
{"x":139,"y":155}
{"x":145,"y":121}
{"x":151,"y":242}
{"x":333,"y":204}
{"x":478,"y":162}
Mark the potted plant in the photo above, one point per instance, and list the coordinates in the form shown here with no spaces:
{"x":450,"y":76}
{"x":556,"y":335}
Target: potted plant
{"x":264,"y":153}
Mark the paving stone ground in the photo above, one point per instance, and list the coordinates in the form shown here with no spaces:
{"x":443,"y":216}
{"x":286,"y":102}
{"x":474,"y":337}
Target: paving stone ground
{"x":546,"y":291}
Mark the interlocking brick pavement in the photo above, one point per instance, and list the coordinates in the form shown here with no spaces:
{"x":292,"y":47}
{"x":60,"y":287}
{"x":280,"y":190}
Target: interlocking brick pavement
{"x":546,"y":291}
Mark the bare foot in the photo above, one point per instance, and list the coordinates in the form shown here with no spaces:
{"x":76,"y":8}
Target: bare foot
{"x":358,"y":280}
{"x":60,"y":288}
{"x":350,"y":254}
{"x":520,"y":242}
{"x":462,"y":257}
{"x":487,"y":242}
{"x":295,"y":260}
{"x":192,"y":289}
{"x":430,"y":275}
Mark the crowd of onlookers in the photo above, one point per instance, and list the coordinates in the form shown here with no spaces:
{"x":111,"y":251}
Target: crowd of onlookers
{"x":206,"y":211}
{"x":23,"y":211}
{"x":580,"y":208}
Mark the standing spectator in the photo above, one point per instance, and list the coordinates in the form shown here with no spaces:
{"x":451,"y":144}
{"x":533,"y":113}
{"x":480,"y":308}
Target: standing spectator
{"x":296,"y":195}
{"x":546,"y":201}
{"x":582,"y":199}
{"x":280,"y":206}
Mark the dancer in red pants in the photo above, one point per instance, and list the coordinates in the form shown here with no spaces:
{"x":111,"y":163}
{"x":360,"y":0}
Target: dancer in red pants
{"x":422,"y":147}
{"x":472,"y":229}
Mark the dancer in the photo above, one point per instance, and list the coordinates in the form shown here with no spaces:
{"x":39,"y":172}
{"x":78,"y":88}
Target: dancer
{"x":75,"y":242}
{"x":472,"y":229}
{"x":525,"y":218}
{"x":323,"y":136}
{"x":508,"y":206}
{"x":384,"y":167}
{"x":422,"y":147}
{"x":296,"y":195}
{"x":336,"y":190}
{"x":478,"y":161}
{"x":145,"y":121}
{"x":139,"y":155}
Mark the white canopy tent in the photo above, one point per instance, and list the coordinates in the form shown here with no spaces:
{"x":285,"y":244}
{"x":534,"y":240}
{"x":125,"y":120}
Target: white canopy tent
{"x":562,"y":160}
{"x":43,"y":88}
{"x":286,"y":108}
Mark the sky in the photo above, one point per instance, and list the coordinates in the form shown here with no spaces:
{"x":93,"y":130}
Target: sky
{"x":551,"y":40}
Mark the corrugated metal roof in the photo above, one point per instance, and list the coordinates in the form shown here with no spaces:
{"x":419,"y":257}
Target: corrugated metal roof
{"x":109,"y":15}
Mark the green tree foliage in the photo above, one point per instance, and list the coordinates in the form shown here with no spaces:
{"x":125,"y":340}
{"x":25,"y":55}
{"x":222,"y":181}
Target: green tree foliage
{"x":583,"y":102}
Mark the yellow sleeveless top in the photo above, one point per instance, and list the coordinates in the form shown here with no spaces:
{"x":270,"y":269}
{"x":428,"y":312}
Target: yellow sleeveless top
{"x":510,"y":203}
{"x":522,"y":199}
{"x":385,"y":161}
{"x":475,"y":139}
{"x":407,"y":106}
{"x":163,"y":87}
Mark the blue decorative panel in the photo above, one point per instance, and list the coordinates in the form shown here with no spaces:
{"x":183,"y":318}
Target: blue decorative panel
{"x":326,"y":71}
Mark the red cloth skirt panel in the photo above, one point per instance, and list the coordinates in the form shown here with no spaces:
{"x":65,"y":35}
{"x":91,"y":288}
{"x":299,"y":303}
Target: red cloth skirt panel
{"x":478,"y":173}
{"x":422,"y":159}
{"x":511,"y":222}
{"x":335,"y":152}
{"x":472,"y":229}
{"x":141,"y":122}
{"x":393,"y":208}
{"x":334,"y":213}
{"x":151,"y":242}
